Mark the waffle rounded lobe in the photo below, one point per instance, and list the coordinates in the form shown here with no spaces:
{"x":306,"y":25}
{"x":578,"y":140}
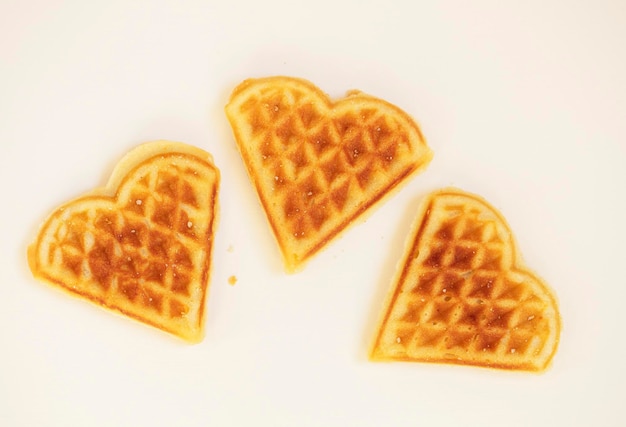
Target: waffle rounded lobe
{"x":142,"y":245}
{"x":463,"y":294}
{"x":317,"y":165}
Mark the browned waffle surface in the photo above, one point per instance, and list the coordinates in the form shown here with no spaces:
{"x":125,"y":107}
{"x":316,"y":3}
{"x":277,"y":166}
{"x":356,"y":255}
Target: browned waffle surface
{"x":142,"y":245}
{"x":463,"y":294}
{"x":316,"y":164}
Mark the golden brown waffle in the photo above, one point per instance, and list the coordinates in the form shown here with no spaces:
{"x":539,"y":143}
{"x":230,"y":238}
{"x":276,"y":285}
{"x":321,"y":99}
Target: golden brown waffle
{"x":142,"y":245}
{"x":317,"y":165}
{"x":463,"y":294}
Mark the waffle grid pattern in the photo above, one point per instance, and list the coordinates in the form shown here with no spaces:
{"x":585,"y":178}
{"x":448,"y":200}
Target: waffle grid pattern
{"x":318,"y":166}
{"x":145,"y":253}
{"x":460,"y":298}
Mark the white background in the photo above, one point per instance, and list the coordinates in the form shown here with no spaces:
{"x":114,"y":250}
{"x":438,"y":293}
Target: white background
{"x":522,"y":102}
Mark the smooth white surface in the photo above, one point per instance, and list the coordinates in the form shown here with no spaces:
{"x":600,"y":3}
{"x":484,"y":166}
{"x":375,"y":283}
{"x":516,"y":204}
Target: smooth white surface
{"x":522,"y":102}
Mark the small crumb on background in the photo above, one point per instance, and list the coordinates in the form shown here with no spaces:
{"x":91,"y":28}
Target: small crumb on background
{"x":232,"y":280}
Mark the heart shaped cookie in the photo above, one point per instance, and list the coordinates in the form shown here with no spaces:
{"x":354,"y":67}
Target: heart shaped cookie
{"x":142,"y":245}
{"x":463,"y":295}
{"x":317,"y":165}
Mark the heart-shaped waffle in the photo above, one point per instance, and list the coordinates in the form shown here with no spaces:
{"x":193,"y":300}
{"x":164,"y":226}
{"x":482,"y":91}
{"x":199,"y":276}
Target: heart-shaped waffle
{"x":317,"y":165}
{"x":463,"y":294}
{"x":142,"y":245}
